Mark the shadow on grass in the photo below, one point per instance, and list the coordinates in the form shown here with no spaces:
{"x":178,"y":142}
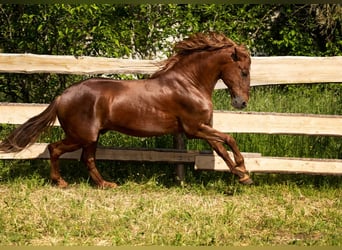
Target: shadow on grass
{"x":162,"y":174}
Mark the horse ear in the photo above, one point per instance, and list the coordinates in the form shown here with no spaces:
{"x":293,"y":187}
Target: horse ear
{"x":235,"y":55}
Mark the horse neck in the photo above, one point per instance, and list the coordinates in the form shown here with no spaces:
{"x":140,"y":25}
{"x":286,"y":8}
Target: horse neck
{"x":200,"y":69}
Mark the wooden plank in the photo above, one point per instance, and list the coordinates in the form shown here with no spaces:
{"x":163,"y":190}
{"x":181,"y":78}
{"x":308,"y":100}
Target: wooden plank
{"x":151,"y":155}
{"x":40,"y":151}
{"x":278,"y":123}
{"x":82,"y":65}
{"x":203,"y":161}
{"x":263,"y":164}
{"x":239,"y":122}
{"x":295,"y":69}
{"x":264,"y":70}
{"x":18,"y":113}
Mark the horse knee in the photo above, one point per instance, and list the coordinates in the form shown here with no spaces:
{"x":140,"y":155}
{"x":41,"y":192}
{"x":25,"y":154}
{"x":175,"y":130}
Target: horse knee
{"x":230,"y":141}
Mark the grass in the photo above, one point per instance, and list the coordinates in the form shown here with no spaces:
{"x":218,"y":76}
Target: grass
{"x":211,"y":210}
{"x":33,"y":212}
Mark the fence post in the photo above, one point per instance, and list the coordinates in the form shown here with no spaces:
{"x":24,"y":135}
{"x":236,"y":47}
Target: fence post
{"x":178,"y":143}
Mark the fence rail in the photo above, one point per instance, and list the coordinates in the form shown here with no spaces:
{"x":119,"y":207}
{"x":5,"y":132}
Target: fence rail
{"x":227,"y":121}
{"x":265,"y":70}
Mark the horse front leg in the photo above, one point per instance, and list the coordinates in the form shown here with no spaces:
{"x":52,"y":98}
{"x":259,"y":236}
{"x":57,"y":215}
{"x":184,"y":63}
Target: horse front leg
{"x":88,"y":157}
{"x":216,"y":139}
{"x":238,"y":168}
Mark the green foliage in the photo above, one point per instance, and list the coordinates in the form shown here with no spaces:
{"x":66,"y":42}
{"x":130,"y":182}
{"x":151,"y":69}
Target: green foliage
{"x":148,"y":31}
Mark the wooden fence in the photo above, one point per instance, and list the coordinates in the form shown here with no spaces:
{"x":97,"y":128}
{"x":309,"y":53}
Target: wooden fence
{"x":265,"y":71}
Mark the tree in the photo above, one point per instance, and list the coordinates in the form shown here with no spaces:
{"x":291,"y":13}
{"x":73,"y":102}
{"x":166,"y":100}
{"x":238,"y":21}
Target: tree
{"x":148,"y":31}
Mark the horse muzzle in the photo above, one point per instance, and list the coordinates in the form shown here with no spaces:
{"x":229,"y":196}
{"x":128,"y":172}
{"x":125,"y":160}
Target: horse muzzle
{"x":239,"y":103}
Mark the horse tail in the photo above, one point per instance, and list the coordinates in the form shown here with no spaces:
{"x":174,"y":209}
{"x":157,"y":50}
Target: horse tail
{"x":28,"y":133}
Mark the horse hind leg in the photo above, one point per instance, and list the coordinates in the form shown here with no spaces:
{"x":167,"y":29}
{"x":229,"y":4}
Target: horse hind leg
{"x":56,"y":150}
{"x":88,"y":157}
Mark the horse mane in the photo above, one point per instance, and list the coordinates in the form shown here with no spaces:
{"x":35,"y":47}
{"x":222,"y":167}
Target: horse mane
{"x":198,"y":42}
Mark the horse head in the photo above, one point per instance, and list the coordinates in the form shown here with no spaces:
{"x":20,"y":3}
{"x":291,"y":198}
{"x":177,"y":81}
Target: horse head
{"x":235,"y":73}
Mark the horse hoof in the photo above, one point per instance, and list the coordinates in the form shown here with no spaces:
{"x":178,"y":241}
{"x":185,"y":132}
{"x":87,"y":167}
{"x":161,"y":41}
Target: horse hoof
{"x":107,"y":185}
{"x":60,"y":183}
{"x":246,"y":180}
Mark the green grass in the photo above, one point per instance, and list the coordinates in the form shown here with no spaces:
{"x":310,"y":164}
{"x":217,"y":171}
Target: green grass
{"x":33,"y":212}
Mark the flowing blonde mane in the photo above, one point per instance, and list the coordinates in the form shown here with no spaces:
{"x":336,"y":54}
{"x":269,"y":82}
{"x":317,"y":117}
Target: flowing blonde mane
{"x":197,"y":42}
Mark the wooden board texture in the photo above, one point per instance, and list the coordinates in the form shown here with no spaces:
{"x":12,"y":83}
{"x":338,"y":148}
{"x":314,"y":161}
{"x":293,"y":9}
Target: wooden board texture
{"x":238,"y":122}
{"x":203,"y":161}
{"x":264,"y":70}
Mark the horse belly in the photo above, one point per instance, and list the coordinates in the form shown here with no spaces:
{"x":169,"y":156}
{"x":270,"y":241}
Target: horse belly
{"x":143,"y":122}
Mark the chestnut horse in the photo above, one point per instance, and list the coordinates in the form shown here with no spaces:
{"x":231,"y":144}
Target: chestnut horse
{"x":176,"y":99}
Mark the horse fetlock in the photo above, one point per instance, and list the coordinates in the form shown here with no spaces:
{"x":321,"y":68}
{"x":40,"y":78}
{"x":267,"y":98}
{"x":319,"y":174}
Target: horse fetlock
{"x":240,"y":171}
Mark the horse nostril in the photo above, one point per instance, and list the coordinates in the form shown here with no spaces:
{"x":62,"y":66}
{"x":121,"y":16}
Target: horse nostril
{"x":239,"y":103}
